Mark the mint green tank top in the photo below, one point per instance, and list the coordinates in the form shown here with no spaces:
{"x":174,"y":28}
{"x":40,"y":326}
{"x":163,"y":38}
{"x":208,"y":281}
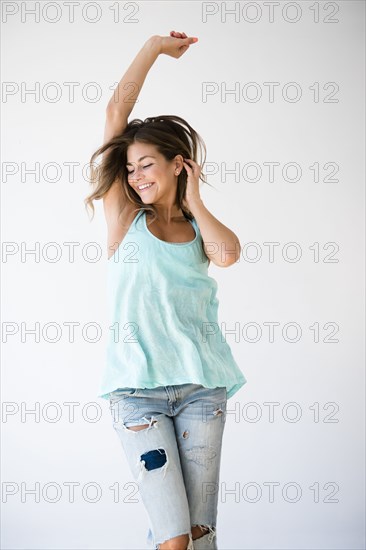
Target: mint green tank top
{"x":163,"y":316}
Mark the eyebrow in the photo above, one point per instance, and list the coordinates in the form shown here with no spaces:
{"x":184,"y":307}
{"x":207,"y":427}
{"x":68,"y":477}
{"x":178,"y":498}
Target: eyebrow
{"x":141,"y":158}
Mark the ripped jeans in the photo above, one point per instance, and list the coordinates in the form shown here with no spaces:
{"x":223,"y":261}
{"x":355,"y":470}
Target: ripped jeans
{"x":175,"y":459}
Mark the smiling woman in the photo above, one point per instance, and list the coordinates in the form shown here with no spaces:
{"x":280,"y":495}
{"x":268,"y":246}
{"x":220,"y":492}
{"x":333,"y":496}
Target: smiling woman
{"x":163,"y":143}
{"x":167,"y":357}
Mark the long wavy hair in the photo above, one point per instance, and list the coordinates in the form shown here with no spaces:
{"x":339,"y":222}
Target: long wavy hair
{"x":171,"y":135}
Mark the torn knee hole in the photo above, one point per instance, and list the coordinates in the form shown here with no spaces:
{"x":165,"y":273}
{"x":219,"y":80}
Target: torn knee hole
{"x":154,"y":459}
{"x":217,"y":412}
{"x":199,"y":531}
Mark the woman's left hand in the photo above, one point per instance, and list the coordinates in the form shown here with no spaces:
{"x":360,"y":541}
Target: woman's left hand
{"x":193,"y":173}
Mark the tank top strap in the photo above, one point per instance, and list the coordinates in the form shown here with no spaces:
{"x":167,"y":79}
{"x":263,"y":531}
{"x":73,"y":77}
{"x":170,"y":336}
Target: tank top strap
{"x":139,"y":214}
{"x":193,"y":221}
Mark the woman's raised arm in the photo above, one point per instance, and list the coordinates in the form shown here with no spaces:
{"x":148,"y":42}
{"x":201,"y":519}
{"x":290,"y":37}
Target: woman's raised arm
{"x":120,"y":107}
{"x":124,"y":98}
{"x":117,"y":112}
{"x":126,"y":93}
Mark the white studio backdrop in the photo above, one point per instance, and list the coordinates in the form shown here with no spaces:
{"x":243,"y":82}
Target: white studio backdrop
{"x":276,"y":89}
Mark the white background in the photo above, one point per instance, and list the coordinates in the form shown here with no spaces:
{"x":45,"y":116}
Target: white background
{"x":36,"y":211}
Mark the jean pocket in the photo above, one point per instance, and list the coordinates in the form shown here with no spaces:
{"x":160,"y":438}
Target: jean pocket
{"x":121,"y":393}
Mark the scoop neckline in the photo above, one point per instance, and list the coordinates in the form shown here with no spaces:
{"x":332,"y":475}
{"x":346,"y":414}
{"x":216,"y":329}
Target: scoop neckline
{"x":170,"y":243}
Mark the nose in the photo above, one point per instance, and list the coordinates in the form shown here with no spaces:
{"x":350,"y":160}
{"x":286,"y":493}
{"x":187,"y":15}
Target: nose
{"x":135,"y":175}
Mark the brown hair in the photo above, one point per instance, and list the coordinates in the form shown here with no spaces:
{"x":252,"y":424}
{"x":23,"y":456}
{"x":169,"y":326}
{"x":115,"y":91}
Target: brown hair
{"x":171,"y":135}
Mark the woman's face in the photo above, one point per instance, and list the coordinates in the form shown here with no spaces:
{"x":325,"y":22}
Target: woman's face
{"x":152,"y":176}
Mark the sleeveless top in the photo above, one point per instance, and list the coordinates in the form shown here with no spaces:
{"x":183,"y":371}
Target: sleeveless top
{"x":163,"y":314}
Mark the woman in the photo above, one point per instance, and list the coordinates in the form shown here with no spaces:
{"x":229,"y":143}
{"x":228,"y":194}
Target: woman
{"x":169,"y":371}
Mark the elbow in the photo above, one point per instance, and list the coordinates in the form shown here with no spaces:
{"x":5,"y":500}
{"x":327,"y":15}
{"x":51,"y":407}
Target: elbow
{"x":226,"y":257}
{"x":230,"y":262}
{"x":233,"y":257}
{"x":116,"y":113}
{"x":111,"y":110}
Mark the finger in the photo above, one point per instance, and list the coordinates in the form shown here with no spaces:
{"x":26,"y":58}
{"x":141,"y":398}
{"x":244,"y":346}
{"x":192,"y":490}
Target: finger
{"x":187,"y":166}
{"x":190,"y":40}
{"x":194,"y":165}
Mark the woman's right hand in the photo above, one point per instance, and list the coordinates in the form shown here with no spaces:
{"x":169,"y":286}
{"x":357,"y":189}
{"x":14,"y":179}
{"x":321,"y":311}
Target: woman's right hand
{"x":176,"y":44}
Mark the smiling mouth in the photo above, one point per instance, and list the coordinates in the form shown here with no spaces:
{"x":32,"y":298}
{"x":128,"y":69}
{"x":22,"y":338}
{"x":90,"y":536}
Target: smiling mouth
{"x":144,"y":186}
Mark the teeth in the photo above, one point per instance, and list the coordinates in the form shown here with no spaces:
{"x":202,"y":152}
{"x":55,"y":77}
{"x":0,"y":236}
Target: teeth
{"x":145,"y":186}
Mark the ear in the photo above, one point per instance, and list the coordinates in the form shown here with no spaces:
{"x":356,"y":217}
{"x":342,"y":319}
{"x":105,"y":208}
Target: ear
{"x":178,"y":162}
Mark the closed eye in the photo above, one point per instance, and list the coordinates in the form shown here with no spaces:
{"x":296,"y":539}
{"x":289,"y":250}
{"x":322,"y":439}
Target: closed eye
{"x":147,"y":166}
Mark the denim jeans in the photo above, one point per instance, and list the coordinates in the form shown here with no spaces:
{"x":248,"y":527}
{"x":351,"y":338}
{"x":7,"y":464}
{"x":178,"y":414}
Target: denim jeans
{"x":175,"y":459}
